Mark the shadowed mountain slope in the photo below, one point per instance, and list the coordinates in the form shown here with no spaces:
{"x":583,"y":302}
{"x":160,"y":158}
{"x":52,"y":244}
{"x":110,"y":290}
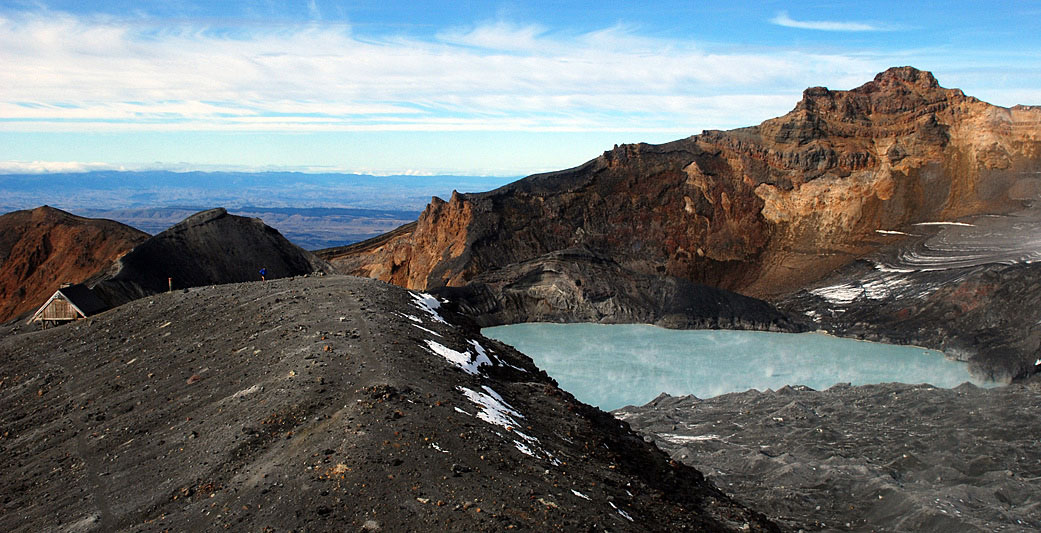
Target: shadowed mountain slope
{"x":322,"y":403}
{"x":44,"y":247}
{"x":207,"y":248}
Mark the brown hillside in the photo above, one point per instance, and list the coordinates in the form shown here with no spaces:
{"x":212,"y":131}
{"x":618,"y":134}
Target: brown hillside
{"x":44,"y":247}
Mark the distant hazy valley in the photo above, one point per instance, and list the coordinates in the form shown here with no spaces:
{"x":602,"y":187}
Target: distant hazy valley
{"x":312,"y":210}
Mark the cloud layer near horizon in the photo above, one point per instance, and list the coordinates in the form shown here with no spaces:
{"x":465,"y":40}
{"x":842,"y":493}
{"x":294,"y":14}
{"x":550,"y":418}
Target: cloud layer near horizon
{"x":69,"y":73}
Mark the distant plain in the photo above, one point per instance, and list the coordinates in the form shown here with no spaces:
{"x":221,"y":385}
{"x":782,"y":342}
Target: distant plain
{"x":312,"y":210}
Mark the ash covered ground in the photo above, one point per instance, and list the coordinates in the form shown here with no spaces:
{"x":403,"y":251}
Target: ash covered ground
{"x":889,"y":457}
{"x":316,"y":404}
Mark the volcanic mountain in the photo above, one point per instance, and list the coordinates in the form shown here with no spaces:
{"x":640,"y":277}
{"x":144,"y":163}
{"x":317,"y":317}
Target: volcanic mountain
{"x":319,"y":403}
{"x":208,"y":248}
{"x":44,"y":247}
{"x":764,"y":211}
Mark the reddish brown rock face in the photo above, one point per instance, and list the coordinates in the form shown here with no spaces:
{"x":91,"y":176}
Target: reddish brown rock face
{"x":763,"y":210}
{"x":45,"y":247}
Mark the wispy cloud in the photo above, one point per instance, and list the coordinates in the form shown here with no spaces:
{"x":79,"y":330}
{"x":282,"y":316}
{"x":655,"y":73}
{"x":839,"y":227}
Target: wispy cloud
{"x":68,"y":73}
{"x":782,"y":19}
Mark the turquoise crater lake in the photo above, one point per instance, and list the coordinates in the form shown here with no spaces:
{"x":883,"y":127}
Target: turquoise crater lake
{"x":612,"y":366}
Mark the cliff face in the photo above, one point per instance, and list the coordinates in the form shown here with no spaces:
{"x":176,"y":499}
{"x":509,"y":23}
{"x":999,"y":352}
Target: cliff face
{"x":762,"y":211}
{"x":44,"y":247}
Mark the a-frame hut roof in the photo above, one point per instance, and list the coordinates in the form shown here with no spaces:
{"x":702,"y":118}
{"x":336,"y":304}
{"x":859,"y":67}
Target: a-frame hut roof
{"x":82,"y":299}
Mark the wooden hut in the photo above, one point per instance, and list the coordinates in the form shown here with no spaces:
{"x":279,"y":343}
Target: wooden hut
{"x":70,"y":302}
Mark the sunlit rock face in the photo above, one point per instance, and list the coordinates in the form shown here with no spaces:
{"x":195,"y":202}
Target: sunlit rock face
{"x":761,"y":210}
{"x":764,"y":211}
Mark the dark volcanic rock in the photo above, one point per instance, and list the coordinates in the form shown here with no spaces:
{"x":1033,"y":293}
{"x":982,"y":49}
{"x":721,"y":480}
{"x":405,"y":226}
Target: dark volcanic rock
{"x":43,"y":248}
{"x":579,"y":286}
{"x":884,"y":457}
{"x":316,"y":404}
{"x":972,"y":290}
{"x":207,"y":248}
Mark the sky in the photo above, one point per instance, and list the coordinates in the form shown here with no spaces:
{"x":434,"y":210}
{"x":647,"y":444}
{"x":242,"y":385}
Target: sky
{"x":468,"y":88}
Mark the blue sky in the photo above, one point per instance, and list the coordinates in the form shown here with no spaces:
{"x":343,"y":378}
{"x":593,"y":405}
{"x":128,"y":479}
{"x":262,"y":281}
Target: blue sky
{"x":476,"y":88}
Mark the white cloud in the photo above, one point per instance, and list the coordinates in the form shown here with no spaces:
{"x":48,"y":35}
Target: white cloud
{"x":68,"y":73}
{"x":782,"y":19}
{"x":45,"y":167}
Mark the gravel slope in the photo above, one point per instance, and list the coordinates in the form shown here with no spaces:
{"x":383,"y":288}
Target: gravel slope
{"x":888,"y":457}
{"x":315,"y":404}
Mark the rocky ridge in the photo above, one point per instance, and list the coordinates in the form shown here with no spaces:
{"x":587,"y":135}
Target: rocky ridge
{"x":44,"y":247}
{"x":761,"y":210}
{"x":764,"y":211}
{"x":322,"y":403}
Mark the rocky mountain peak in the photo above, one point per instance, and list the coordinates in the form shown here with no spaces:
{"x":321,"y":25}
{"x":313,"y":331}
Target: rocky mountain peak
{"x":907,"y":76}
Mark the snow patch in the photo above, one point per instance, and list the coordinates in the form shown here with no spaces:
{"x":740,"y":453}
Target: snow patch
{"x":428,"y":304}
{"x":875,"y":289}
{"x":891,"y":232}
{"x":523,"y":448}
{"x":945,"y":224}
{"x":494,"y":409}
{"x":680,"y":439}
{"x":438,"y":448}
{"x":482,"y":355}
{"x":579,"y":494}
{"x":470,"y":365}
{"x":621,"y":512}
{"x":430,"y":331}
{"x":839,"y":294}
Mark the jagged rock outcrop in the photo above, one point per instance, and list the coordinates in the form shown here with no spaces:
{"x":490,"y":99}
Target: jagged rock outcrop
{"x":42,"y":248}
{"x":762,"y":210}
{"x":207,"y":248}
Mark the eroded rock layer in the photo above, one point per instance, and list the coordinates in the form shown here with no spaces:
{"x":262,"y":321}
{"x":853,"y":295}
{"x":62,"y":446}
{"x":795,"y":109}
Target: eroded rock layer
{"x":763,"y":210}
